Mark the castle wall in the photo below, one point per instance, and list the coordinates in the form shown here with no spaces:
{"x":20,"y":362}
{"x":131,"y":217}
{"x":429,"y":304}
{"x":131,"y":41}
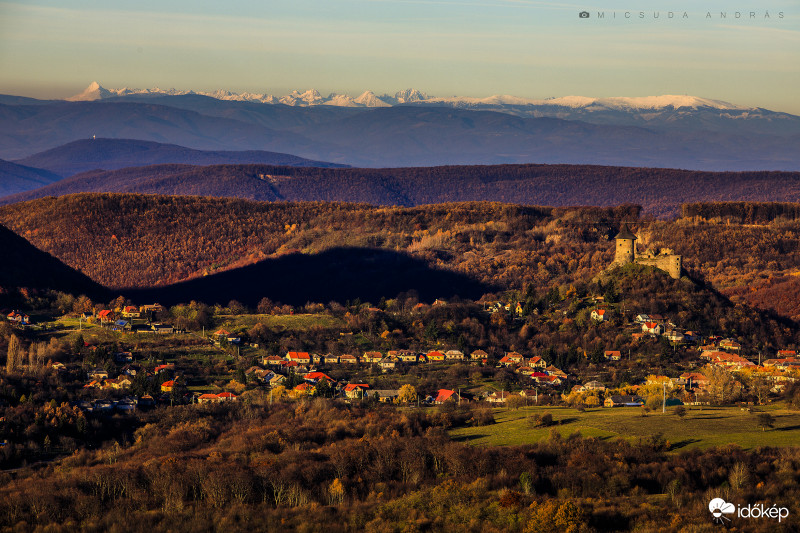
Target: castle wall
{"x":671,"y":264}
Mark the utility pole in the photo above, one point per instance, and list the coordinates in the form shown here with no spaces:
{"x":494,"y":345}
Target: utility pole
{"x":664,"y":399}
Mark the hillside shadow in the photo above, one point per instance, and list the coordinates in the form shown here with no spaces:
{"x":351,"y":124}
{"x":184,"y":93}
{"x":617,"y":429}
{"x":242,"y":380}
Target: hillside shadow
{"x":23,"y":265}
{"x":467,"y":438}
{"x":683,"y":443}
{"x":339,"y":274}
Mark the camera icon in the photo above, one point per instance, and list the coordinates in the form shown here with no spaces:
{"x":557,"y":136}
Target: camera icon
{"x":584,"y":14}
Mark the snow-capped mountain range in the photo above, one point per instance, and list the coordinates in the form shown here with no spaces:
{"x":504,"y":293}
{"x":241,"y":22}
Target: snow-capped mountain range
{"x":312,"y":97}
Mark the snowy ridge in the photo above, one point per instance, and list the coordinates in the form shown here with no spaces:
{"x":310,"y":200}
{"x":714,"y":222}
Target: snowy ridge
{"x":312,"y":97}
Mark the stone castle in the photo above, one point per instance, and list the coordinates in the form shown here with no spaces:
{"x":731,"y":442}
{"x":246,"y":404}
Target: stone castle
{"x":625,"y":253}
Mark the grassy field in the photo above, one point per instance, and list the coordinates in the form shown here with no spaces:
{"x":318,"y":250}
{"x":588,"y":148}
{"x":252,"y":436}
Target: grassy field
{"x":702,"y":427}
{"x":298,"y":322}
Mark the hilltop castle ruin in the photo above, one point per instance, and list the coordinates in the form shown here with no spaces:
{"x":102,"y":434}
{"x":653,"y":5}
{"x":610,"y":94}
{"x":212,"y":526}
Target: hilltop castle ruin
{"x":625,"y":252}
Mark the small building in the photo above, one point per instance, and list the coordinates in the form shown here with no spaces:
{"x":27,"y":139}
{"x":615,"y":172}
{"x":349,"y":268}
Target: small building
{"x":347,"y":359}
{"x":623,"y":401}
{"x":600,"y":315}
{"x":372,"y":357}
{"x":479,"y":355}
{"x":355,"y":390}
{"x":613,"y":355}
{"x":454,"y":355}
{"x":386,"y":395}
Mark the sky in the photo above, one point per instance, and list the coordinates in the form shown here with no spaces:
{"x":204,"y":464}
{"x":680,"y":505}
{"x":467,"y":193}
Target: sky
{"x":533,"y":49}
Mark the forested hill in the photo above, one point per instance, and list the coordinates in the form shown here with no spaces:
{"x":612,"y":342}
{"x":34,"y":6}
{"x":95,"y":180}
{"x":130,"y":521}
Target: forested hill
{"x":113,"y":154}
{"x":659,"y":191}
{"x":130,"y":240}
{"x":15,"y":178}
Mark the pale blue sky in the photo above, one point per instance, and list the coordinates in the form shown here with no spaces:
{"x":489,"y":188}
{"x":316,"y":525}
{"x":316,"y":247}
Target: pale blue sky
{"x":443,"y":47}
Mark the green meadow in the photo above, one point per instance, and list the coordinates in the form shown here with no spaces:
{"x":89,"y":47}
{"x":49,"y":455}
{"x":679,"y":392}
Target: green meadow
{"x":702,"y":427}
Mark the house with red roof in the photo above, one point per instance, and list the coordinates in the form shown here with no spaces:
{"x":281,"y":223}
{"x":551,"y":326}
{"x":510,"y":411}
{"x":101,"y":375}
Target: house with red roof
{"x":537,"y":362}
{"x":316,"y":376}
{"x":304,"y":388}
{"x":301,"y":358}
{"x":652,"y":328}
{"x":445,"y":395}
{"x":348,"y":359}
{"x":167,"y":386}
{"x":599,"y":314}
{"x":226,"y":396}
{"x":613,"y":355}
{"x":355,"y":390}
{"x":106,"y":316}
{"x":216,"y":398}
{"x":436,"y":356}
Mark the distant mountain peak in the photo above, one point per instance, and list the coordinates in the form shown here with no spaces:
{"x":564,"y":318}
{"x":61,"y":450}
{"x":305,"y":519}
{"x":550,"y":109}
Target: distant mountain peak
{"x":368,"y":99}
{"x":410,"y":95}
{"x":93,"y":92}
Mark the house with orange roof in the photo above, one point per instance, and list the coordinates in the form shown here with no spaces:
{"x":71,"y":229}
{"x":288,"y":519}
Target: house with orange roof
{"x":652,"y":328}
{"x":226,"y":396}
{"x":167,"y":386}
{"x":304,"y":388}
{"x":599,"y":315}
{"x":516,"y":358}
{"x":436,"y":356}
{"x":301,"y":358}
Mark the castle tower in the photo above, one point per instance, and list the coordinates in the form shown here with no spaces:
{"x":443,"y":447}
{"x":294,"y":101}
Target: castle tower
{"x":625,"y":251}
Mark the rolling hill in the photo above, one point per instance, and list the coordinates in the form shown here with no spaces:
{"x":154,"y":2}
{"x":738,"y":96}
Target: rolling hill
{"x":15,"y":178}
{"x":112,"y":154}
{"x":659,"y":191}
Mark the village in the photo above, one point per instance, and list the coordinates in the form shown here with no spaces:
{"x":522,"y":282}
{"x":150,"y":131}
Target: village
{"x":718,"y":368}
